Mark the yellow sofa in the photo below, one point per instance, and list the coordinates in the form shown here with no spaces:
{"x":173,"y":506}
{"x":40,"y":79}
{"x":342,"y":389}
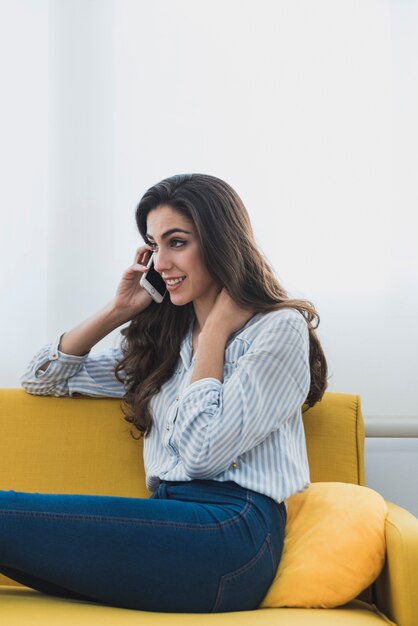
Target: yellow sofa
{"x":83,"y":445}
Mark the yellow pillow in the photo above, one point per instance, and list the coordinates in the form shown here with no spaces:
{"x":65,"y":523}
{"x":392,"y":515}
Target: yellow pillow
{"x":334,"y":546}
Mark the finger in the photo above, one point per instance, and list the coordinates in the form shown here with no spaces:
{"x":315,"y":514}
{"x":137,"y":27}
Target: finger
{"x":141,"y":251}
{"x":136,"y":268}
{"x":140,"y":267}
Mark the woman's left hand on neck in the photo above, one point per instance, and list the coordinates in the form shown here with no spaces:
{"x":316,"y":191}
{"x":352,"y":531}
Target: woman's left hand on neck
{"x":226,"y":316}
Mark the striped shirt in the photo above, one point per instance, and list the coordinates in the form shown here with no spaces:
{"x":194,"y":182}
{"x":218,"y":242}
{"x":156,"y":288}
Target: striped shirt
{"x":247,"y":429}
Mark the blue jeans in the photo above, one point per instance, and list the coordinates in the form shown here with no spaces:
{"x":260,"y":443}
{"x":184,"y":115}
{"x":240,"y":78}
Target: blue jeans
{"x":198,"y":546}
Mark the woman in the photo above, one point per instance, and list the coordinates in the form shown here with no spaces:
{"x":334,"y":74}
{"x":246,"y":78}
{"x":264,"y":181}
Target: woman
{"x":214,"y":379}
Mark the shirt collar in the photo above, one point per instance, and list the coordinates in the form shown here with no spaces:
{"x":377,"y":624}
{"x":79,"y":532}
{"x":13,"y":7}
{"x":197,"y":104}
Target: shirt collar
{"x":186,"y":345}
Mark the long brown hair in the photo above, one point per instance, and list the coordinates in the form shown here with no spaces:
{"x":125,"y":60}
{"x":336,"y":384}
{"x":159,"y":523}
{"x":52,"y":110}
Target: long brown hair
{"x":151,"y":343}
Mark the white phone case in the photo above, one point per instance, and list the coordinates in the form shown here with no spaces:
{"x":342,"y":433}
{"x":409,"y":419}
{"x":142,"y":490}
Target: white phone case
{"x":149,"y":287}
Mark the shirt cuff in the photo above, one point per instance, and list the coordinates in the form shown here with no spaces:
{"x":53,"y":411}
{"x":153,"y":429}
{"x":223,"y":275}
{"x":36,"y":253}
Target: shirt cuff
{"x":201,"y":386}
{"x":51,"y":353}
{"x":62,"y":356}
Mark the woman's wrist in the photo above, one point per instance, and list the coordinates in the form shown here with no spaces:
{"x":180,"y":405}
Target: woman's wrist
{"x":214,"y":332}
{"x":118,"y":316}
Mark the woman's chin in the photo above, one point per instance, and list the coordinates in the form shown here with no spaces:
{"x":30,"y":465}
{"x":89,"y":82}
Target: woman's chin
{"x":178,"y":300}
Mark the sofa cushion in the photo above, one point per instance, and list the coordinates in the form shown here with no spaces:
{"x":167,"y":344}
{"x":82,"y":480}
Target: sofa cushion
{"x":334,"y":546}
{"x":23,"y":606}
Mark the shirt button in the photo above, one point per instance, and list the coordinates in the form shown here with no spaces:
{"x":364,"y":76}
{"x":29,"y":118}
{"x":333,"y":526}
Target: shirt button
{"x":167,"y":427}
{"x":234,"y":465}
{"x":177,"y":398}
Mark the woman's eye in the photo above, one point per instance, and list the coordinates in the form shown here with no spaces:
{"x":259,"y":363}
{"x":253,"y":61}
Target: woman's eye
{"x":177,"y":241}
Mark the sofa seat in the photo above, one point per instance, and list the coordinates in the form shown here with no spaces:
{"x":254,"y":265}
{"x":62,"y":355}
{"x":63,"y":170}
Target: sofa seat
{"x":20,"y":606}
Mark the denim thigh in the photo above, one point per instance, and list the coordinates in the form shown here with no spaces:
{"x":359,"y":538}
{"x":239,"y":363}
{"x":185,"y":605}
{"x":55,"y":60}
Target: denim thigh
{"x":196,"y":546}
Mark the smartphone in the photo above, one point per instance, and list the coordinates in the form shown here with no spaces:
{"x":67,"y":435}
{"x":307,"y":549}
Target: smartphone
{"x":152,"y":282}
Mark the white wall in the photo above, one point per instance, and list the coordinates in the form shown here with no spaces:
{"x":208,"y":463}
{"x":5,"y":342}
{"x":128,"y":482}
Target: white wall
{"x":82,"y":273}
{"x":392,"y":469}
{"x":24,"y":181}
{"x":307,"y":108}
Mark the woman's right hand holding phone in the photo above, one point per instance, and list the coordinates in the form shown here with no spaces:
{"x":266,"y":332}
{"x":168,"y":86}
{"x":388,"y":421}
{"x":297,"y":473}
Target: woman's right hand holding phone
{"x":129,"y":300}
{"x":130,"y":297}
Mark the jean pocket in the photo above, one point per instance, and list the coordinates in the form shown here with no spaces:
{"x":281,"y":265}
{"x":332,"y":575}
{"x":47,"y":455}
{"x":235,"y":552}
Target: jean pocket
{"x":244,"y":588}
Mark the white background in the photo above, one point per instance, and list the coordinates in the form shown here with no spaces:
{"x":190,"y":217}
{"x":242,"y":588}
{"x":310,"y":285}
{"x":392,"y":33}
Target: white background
{"x":308,"y":109}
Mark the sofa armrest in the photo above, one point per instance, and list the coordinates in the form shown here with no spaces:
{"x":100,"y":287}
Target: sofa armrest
{"x":396,"y":587}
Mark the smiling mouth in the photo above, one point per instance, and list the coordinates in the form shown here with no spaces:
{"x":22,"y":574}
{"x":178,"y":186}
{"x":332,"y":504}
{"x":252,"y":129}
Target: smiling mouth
{"x":174,"y":281}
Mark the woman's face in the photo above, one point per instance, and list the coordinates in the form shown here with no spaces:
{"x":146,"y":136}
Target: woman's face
{"x":177,"y":255}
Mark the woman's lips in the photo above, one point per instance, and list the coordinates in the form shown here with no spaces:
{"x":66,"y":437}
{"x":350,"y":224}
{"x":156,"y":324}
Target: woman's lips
{"x":175,"y":286}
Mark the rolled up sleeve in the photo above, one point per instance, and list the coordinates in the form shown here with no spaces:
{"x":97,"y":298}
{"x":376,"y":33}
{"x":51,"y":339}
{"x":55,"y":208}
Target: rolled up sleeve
{"x":67,"y":374}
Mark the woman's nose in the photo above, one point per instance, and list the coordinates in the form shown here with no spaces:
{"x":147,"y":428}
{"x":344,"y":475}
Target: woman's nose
{"x":161,"y":261}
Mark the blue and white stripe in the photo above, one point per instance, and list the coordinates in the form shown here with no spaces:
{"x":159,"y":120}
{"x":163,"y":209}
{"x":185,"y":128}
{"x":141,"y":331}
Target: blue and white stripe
{"x":247,"y":428}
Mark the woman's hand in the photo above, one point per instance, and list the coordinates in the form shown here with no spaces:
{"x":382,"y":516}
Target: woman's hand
{"x":226,"y":316}
{"x":130,"y":296}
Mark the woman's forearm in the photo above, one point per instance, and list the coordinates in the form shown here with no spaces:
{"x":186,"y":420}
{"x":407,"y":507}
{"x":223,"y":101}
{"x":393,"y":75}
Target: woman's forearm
{"x":83,"y":337}
{"x":210,"y":355}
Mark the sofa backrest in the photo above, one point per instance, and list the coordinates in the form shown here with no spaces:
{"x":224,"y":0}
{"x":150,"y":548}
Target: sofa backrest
{"x":83,"y":445}
{"x":67,"y":445}
{"x":334,"y":431}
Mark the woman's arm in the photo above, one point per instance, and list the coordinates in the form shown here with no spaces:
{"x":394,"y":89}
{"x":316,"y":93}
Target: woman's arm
{"x":218,"y":422}
{"x":80,"y":340}
{"x":210,"y":355}
{"x":68,"y":374}
{"x":65,"y":367}
{"x":225,"y":318}
{"x":129,"y":300}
